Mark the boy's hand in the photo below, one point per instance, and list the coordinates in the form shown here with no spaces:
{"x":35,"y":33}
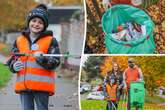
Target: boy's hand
{"x":120,"y":86}
{"x":106,"y":98}
{"x":125,"y":90}
{"x":18,"y":65}
{"x":38,"y":54}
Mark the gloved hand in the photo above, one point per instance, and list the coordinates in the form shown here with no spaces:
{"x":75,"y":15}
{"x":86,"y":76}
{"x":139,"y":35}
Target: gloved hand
{"x":106,"y":98}
{"x":18,"y":65}
{"x":38,"y":54}
{"x":125,"y":90}
{"x":41,"y":60}
{"x":120,"y":86}
{"x":140,"y":80}
{"x":46,"y":62}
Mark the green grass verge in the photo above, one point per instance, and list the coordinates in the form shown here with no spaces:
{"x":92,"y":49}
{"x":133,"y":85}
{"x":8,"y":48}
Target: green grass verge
{"x":5,"y":49}
{"x":101,"y":105}
{"x":5,"y":75}
{"x":93,"y":105}
{"x":154,"y":99}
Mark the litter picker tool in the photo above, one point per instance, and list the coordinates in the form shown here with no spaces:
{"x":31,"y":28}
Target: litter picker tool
{"x":48,"y":55}
{"x":125,"y":101}
{"x":113,"y":107}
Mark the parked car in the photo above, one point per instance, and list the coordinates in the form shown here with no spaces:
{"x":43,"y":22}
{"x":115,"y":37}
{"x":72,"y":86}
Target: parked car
{"x":162,"y":91}
{"x":97,"y":95}
{"x":85,"y":88}
{"x":82,"y":90}
{"x":97,"y":88}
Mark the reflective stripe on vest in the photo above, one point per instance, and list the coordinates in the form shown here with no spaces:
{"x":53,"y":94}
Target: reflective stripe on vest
{"x":36,"y":78}
{"x":33,"y":65}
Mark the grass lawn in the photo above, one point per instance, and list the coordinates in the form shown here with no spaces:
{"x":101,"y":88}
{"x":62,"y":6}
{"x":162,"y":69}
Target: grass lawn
{"x":101,"y":105}
{"x":5,"y":75}
{"x":151,"y":104}
{"x":154,"y":99}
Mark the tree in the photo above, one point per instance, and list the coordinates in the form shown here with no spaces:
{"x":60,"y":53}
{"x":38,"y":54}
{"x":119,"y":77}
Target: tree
{"x":13,"y":14}
{"x":95,"y":36}
{"x":154,"y":72}
{"x":108,"y":61}
{"x":67,"y":2}
{"x":152,"y":68}
{"x":92,"y":66}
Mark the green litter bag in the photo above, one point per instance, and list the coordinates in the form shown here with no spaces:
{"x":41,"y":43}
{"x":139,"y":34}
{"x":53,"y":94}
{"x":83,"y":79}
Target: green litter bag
{"x":120,"y":14}
{"x":137,"y":94}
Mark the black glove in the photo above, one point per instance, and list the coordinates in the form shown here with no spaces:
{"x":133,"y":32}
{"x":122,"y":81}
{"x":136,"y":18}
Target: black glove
{"x":47,"y":62}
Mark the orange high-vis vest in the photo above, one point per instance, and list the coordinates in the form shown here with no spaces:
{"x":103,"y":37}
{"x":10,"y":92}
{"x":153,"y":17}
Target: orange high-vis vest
{"x":33,"y":76}
{"x":131,"y":75}
{"x":112,"y":92}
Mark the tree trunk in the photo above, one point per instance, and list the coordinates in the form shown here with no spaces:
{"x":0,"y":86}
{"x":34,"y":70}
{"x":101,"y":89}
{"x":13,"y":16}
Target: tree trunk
{"x":2,"y":36}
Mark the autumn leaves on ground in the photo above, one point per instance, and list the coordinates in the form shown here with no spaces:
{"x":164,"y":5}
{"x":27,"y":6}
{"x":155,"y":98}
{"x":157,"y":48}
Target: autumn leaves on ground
{"x":152,"y":68}
{"x":157,"y":12}
{"x":95,"y":36}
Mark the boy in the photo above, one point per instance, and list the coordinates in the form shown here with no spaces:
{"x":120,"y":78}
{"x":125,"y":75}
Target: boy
{"x":111,"y":93}
{"x":35,"y":75}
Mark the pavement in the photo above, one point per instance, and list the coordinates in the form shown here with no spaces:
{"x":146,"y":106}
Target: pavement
{"x":2,"y":59}
{"x":65,"y":98}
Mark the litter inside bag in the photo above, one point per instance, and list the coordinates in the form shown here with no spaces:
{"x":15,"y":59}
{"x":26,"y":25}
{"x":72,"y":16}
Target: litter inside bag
{"x":129,"y":31}
{"x":134,"y":29}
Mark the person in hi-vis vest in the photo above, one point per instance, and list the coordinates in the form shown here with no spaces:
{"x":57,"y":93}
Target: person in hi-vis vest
{"x":132,"y":73}
{"x":35,"y":73}
{"x":111,"y":89}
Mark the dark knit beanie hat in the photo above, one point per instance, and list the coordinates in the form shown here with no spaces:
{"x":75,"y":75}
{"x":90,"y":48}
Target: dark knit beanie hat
{"x":40,"y":11}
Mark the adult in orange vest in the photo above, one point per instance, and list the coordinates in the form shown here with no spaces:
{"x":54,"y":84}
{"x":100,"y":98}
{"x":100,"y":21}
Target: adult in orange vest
{"x":132,"y":73}
{"x":111,"y":93}
{"x":35,"y":74}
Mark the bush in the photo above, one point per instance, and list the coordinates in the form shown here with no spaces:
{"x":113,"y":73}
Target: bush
{"x":5,"y":75}
{"x":4,"y":49}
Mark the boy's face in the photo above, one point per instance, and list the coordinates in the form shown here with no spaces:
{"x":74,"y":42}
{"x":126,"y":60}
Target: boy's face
{"x":112,"y":81}
{"x":36,"y":25}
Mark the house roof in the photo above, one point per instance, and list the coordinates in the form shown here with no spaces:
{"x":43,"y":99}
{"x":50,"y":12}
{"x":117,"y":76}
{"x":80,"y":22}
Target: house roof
{"x":61,"y":14}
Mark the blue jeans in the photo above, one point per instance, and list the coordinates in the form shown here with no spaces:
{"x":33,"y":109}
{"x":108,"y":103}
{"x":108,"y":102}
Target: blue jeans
{"x":29,"y":97}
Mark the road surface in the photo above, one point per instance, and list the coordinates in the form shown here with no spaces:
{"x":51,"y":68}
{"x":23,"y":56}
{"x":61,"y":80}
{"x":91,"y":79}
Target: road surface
{"x":66,"y":97}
